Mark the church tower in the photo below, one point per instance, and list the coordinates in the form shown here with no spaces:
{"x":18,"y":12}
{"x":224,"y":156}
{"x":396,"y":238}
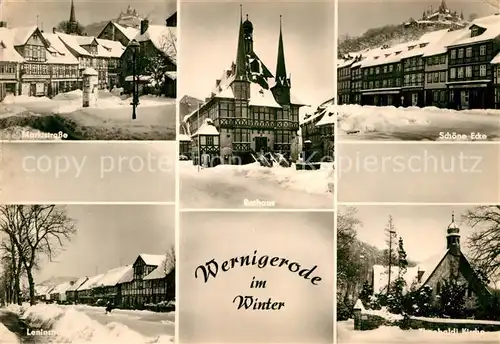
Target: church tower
{"x":248,"y":35}
{"x":281,"y":90}
{"x":453,"y":237}
{"x":241,"y":83}
{"x":72,"y":24}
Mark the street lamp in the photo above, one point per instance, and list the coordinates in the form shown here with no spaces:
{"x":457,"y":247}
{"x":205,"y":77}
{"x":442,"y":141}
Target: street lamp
{"x":134,"y":46}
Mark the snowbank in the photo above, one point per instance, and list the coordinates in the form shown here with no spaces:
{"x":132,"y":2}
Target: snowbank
{"x":357,"y":119}
{"x":458,"y":321}
{"x":68,"y":325}
{"x":392,"y":334}
{"x":11,"y":99}
{"x":383,"y":313}
{"x":314,"y":182}
{"x":16,"y":309}
{"x":25,"y":133}
{"x":6,"y":336}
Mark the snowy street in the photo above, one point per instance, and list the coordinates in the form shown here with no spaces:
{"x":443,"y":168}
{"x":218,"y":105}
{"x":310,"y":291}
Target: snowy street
{"x":394,"y":335}
{"x":228,"y":186}
{"x":149,"y":324}
{"x":83,"y":324}
{"x":110,"y":119}
{"x":417,"y":124}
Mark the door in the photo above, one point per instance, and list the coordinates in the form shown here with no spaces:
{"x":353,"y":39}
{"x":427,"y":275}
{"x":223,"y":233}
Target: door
{"x":261,"y":144}
{"x":414,"y":99}
{"x":464,"y":99}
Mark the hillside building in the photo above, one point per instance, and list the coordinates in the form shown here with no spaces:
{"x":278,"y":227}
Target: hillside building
{"x":447,"y":68}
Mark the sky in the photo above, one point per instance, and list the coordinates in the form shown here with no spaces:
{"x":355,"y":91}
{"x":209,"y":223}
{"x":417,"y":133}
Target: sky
{"x":52,"y":12}
{"x":423,"y":228}
{"x":357,"y":16}
{"x":305,"y":238}
{"x":208,"y":42}
{"x":110,"y":236}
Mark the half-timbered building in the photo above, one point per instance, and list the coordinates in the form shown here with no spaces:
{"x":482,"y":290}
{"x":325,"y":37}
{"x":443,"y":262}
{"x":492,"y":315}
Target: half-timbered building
{"x":10,"y":63}
{"x":317,"y":131}
{"x":71,"y":291}
{"x":253,"y":111}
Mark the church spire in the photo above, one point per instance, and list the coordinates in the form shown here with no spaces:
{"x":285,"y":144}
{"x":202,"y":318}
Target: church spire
{"x":241,"y":56}
{"x":453,"y":237}
{"x":281,"y":76}
{"x":72,"y":17}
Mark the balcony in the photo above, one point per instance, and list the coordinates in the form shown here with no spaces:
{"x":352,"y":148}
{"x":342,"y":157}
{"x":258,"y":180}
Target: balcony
{"x":231,"y":123}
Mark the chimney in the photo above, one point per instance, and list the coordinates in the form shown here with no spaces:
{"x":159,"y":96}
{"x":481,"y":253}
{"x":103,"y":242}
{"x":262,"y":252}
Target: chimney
{"x":3,"y":24}
{"x":54,"y":30}
{"x":144,"y":26}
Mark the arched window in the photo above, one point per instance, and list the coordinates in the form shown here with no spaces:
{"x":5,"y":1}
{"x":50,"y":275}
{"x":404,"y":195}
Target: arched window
{"x":438,"y":288}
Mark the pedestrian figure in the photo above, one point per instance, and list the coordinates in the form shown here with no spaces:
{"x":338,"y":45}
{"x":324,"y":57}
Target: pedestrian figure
{"x":109,"y":307}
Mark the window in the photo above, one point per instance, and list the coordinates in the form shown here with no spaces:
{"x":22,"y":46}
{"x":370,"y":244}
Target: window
{"x":385,"y":69}
{"x":226,"y":109}
{"x":442,"y":77}
{"x":391,"y":68}
{"x":453,"y":72}
{"x":461,"y":53}
{"x":482,"y":50}
{"x":474,"y":32}
{"x":460,"y":74}
{"x":241,"y":135}
{"x":453,"y":54}
{"x":468,"y":52}
{"x":482,"y":70}
{"x":438,"y":288}
{"x":377,"y":70}
{"x":468,"y":71}
{"x":443,"y":59}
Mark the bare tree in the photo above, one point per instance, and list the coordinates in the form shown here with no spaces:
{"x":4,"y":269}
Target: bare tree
{"x":11,"y":261}
{"x":390,"y":254}
{"x":65,"y":27}
{"x":37,"y":231}
{"x":484,"y":243}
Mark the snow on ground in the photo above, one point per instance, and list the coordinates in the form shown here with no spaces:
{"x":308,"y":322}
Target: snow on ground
{"x":6,"y":336}
{"x":389,"y":122}
{"x":393,"y":334}
{"x":315,"y":182}
{"x":383,"y":313}
{"x":155,"y":115}
{"x":25,"y":133}
{"x":70,"y":325}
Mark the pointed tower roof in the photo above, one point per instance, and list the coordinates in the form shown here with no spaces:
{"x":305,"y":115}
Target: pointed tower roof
{"x":241,"y":58}
{"x":72,"y":17}
{"x":452,"y":227}
{"x":280,"y":64}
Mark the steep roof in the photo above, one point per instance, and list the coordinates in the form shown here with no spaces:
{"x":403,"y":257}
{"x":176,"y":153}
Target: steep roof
{"x":7,"y":51}
{"x":491,"y":24}
{"x":90,"y":282}
{"x":112,"y":277}
{"x":58,"y":52}
{"x":71,"y":43}
{"x":109,"y":48}
{"x":163,"y":270}
{"x":163,"y":38}
{"x":21,"y":34}
{"x":129,"y":32}
{"x":61,"y":288}
{"x":152,"y":259}
{"x":78,"y":283}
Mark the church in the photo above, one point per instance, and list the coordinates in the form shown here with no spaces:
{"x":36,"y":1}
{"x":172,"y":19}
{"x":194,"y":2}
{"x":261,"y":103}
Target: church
{"x":250,"y":112}
{"x":451,"y":265}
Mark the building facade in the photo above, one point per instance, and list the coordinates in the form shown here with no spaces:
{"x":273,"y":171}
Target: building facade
{"x":252,"y":115}
{"x":447,"y":68}
{"x":317,"y":131}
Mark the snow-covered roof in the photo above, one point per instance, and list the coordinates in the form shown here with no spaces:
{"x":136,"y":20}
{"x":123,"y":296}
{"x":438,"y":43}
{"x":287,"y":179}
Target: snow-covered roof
{"x":184,"y":137}
{"x":129,"y":32}
{"x":492,"y":26}
{"x":78,"y":283}
{"x":429,"y":265}
{"x":206,"y":129}
{"x":128,"y":276}
{"x":325,"y":110}
{"x":7,"y":51}
{"x":440,"y":47}
{"x":139,"y":78}
{"x":109,"y":48}
{"x":61,"y":288}
{"x":21,"y":34}
{"x":152,"y":259}
{"x":162,"y":270}
{"x":58,"y":53}
{"x":328,"y":117}
{"x":90,"y":282}
{"x":42,"y":289}
{"x":112,"y":277}
{"x":496,"y":59}
{"x":85,"y":40}
{"x":163,"y":38}
{"x":171,"y":75}
{"x":71,"y":42}
{"x":261,"y":97}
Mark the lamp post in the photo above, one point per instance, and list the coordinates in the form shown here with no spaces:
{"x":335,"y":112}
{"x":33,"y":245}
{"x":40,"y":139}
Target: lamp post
{"x":134,"y":46}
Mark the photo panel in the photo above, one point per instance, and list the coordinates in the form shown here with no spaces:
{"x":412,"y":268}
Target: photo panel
{"x":419,"y":173}
{"x":392,"y":287}
{"x":88,"y":70}
{"x":418,"y":71}
{"x":99,"y":273}
{"x":256,"y":112}
{"x":294,"y":303}
{"x":87,"y":172}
